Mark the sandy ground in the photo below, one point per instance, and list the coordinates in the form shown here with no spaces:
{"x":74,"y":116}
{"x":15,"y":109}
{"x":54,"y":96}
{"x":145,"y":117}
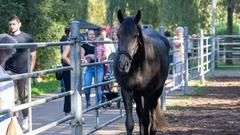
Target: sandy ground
{"x":214,"y":110}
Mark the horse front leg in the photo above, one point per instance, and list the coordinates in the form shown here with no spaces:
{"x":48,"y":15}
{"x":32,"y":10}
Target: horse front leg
{"x":146,"y":116}
{"x":127,"y":100}
{"x":139,"y":109}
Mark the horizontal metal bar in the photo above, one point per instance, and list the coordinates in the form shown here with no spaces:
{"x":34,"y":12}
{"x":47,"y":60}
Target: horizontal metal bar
{"x":222,"y":59}
{"x":50,"y":125}
{"x":106,"y":123}
{"x":207,"y":54}
{"x":226,"y":44}
{"x":35,"y":103}
{"x":224,"y":36}
{"x":97,"y":63}
{"x":104,"y":42}
{"x":232,"y":66}
{"x":34,"y":44}
{"x":34,"y":74}
{"x":99,"y":84}
{"x":228,"y":51}
{"x":102,"y":104}
{"x":193,"y":58}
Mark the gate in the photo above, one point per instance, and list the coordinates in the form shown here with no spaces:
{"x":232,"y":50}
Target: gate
{"x":228,"y":51}
{"x":195,"y":66}
{"x":76,"y":87}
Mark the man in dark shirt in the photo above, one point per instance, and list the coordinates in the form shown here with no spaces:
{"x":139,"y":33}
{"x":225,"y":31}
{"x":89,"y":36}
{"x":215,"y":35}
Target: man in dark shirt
{"x":18,"y":64}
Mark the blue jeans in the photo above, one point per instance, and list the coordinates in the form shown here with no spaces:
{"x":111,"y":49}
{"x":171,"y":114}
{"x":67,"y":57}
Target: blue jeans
{"x":88,"y":76}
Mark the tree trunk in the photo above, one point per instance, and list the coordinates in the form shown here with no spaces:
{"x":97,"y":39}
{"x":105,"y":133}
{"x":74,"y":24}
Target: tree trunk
{"x":230,"y":8}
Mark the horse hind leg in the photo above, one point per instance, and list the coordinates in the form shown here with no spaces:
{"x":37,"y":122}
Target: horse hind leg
{"x":159,"y":121}
{"x":153,"y":126}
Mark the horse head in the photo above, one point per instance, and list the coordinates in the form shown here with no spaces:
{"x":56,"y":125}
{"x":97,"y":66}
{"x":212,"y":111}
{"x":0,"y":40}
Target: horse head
{"x":129,"y":40}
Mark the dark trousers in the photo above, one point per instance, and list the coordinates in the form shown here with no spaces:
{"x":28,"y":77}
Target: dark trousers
{"x":67,"y":85}
{"x":21,"y":92}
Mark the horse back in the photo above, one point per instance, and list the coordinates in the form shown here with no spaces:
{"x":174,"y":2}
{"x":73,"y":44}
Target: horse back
{"x":161,"y":44}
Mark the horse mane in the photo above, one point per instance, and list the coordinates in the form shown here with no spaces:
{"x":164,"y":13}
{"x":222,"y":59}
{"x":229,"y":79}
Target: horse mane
{"x":140,"y":36}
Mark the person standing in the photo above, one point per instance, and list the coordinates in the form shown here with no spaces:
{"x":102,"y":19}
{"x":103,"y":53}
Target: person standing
{"x":114,"y":37}
{"x":17,"y":64}
{"x":64,"y":37}
{"x":89,"y":54}
{"x":65,"y":58}
{"x":109,"y":47}
{"x":178,"y":51}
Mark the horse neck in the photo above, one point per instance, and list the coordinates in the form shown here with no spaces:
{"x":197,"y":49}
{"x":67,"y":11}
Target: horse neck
{"x":140,"y":55}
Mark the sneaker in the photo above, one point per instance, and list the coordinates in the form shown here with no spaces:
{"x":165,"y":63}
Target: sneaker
{"x":25,"y":124}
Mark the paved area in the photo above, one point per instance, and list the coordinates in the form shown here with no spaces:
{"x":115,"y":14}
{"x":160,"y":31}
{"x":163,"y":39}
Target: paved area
{"x":52,"y":111}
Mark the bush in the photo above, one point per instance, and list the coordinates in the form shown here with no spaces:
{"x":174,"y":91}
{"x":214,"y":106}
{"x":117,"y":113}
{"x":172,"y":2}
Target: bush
{"x":221,"y":29}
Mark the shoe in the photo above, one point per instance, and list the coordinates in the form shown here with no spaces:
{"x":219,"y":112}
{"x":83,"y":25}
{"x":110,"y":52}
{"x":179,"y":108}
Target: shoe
{"x":24,"y":125}
{"x":66,"y":114}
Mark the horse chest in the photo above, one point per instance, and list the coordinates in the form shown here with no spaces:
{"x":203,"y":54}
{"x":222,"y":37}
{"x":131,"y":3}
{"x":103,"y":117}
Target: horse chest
{"x":136,"y":82}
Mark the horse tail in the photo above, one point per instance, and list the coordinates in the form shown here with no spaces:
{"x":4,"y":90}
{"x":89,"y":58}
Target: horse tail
{"x":160,"y":118}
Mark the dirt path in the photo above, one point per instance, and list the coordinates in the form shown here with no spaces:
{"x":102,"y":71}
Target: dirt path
{"x":216,"y":110}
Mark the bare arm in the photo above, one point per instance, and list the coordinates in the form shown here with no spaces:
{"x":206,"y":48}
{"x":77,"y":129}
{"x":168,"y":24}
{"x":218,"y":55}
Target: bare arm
{"x":83,"y":59}
{"x":65,"y":55}
{"x":33,"y":59}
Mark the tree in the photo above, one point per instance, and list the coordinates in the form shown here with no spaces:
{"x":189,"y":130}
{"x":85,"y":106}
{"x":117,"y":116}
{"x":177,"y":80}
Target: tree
{"x":231,"y":6}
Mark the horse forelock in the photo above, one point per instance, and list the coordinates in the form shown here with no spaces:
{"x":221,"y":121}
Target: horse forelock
{"x":128,"y":26}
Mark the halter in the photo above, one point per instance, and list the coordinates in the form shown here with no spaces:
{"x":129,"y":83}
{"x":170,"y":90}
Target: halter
{"x":139,"y":43}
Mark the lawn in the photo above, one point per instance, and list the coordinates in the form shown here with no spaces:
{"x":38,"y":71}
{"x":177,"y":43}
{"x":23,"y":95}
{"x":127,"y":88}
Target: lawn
{"x":47,"y":85}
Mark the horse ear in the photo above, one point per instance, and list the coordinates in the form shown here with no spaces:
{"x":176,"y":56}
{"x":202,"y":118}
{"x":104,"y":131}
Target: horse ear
{"x":120,"y":16}
{"x":137,"y":17}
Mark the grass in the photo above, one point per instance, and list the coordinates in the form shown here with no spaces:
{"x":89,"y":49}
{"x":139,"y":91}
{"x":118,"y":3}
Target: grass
{"x":224,"y":66}
{"x":196,"y":89}
{"x":48,"y":85}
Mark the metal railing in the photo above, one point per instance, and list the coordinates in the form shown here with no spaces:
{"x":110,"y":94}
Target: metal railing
{"x":201,"y":62}
{"x":197,"y":61}
{"x":76,"y":68}
{"x":31,"y":103}
{"x":228,"y":51}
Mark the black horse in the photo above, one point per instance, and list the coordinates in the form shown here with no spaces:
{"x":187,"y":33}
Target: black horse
{"x":141,"y":69}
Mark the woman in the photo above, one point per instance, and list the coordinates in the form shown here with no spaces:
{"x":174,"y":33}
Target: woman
{"x":178,"y":50}
{"x":90,"y":71}
{"x":66,"y":77}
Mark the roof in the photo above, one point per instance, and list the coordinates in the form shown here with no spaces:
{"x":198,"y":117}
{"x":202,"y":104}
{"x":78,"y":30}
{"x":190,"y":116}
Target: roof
{"x":87,"y":25}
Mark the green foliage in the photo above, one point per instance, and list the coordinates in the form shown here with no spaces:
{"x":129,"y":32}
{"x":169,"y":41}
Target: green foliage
{"x":97,"y":10}
{"x":47,"y":85}
{"x":221,"y":29}
{"x":39,"y":88}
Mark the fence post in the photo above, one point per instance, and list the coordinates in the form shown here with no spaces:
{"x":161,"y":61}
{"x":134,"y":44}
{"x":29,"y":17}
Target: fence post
{"x":163,"y":96}
{"x":186,"y":90}
{"x":213,"y":55}
{"x":213,"y":6}
{"x":161,"y":30}
{"x":201,"y":59}
{"x":76,"y":79}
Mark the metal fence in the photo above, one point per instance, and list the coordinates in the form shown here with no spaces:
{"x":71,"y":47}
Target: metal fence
{"x":197,"y":61}
{"x":194,"y":66}
{"x":228,"y":51}
{"x":75,"y":92}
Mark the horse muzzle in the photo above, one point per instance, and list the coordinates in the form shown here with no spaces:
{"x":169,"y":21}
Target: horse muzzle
{"x":124,"y":63}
